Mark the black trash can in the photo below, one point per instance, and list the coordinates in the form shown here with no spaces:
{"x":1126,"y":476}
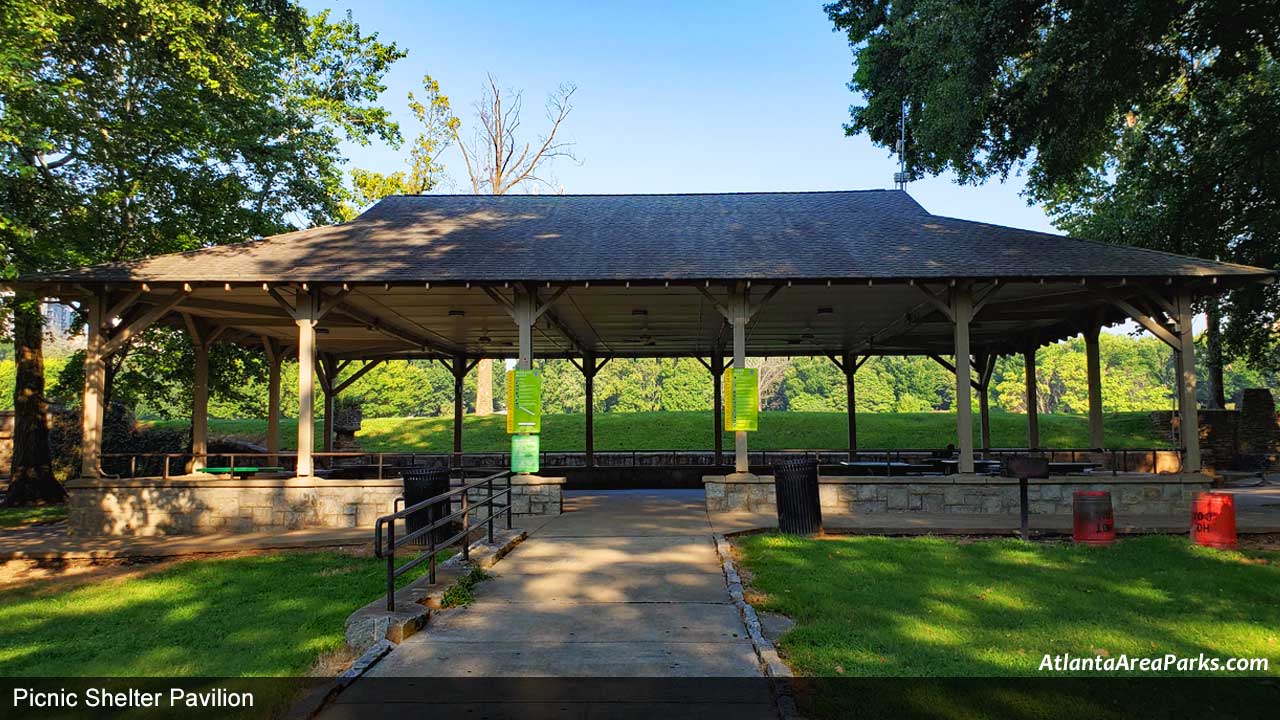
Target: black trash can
{"x":421,"y":484}
{"x":796,"y":484}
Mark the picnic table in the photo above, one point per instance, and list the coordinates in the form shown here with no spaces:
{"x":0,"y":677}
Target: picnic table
{"x":240,"y":471}
{"x":887,"y":467}
{"x":1069,"y":468}
{"x":951,"y":466}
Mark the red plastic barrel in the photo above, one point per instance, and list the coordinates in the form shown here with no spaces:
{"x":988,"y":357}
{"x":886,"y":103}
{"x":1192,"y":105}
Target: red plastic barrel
{"x":1213,"y":520}
{"x":1092,"y":520}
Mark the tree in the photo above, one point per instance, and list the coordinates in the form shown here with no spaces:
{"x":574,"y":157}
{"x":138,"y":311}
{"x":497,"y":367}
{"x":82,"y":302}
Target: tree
{"x":498,"y":161}
{"x":1147,"y":124}
{"x":139,"y":127}
{"x":425,"y":171}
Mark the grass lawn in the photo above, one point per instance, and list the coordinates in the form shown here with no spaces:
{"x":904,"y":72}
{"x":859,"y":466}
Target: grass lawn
{"x":272,"y":614}
{"x":875,"y":606}
{"x":19,"y":516}
{"x":691,"y":431}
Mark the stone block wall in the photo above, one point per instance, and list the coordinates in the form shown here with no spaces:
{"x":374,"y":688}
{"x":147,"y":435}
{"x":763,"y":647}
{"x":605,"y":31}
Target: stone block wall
{"x":204,"y":505}
{"x":1131,"y":494}
{"x":200,"y":505}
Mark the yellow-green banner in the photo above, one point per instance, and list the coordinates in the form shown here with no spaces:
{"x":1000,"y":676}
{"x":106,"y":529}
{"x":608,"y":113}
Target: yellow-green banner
{"x":524,"y":402}
{"x":741,"y":387}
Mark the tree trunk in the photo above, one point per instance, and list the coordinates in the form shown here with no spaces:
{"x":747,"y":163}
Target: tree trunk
{"x":484,"y":387}
{"x":32,"y":469}
{"x":1213,"y":356}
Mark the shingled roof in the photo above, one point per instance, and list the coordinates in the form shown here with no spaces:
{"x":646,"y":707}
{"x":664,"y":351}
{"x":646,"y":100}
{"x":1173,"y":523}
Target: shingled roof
{"x":873,"y":234}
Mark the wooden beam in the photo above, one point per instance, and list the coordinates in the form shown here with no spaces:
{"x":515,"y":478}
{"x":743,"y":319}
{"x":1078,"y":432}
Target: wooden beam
{"x":937,"y":302}
{"x":121,"y":305}
{"x":1146,"y":320}
{"x":143,"y":321}
{"x":356,"y":375}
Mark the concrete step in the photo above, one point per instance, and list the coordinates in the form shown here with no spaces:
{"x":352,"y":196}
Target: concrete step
{"x":576,"y":622}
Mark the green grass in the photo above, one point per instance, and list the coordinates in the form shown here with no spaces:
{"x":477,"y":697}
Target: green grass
{"x":875,"y":606}
{"x":18,"y":516}
{"x":271,"y":615}
{"x":692,"y":431}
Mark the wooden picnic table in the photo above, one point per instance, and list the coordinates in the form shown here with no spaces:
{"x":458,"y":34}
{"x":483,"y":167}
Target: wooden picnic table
{"x":888,"y":467}
{"x":951,"y":466}
{"x":1069,"y":468}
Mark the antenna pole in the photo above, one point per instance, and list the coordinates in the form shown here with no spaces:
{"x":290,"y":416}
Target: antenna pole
{"x":900,"y":177}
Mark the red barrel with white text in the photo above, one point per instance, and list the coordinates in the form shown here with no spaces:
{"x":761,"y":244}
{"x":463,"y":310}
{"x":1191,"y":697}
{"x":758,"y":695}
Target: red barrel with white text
{"x":1093,"y":522}
{"x":1213,"y":520}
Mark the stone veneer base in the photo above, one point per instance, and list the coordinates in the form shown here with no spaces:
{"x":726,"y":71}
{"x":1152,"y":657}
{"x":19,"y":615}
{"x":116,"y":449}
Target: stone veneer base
{"x":1130,"y":493}
{"x":203,"y":505}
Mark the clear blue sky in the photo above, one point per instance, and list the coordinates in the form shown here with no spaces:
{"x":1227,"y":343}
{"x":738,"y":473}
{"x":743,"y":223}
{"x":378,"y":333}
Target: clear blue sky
{"x":672,"y":97}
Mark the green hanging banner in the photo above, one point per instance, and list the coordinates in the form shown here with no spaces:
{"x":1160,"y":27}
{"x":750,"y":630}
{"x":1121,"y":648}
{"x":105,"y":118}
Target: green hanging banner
{"x":524,"y":453}
{"x":524,"y":402}
{"x":741,"y":389}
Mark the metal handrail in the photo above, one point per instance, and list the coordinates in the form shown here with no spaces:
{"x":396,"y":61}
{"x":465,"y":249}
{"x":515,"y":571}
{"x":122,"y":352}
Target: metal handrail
{"x":387,"y":550}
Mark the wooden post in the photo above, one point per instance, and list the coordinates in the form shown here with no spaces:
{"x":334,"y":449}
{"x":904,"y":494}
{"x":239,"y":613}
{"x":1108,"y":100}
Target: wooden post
{"x":328,"y":383}
{"x":1189,"y":417}
{"x":589,"y":380}
{"x":1094,"y":369}
{"x":1032,"y":398}
{"x":961,"y":310}
{"x":200,"y":407}
{"x":740,"y":309}
{"x":95,"y":382}
{"x":459,"y":369}
{"x":851,"y":399}
{"x":717,"y":402}
{"x":306,"y":382}
{"x":275,"y":358}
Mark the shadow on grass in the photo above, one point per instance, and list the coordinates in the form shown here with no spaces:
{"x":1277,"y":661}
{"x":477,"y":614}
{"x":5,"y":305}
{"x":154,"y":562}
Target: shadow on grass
{"x":929,"y":607}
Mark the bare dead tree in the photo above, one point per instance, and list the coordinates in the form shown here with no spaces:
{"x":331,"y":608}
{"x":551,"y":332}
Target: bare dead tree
{"x":498,"y":160}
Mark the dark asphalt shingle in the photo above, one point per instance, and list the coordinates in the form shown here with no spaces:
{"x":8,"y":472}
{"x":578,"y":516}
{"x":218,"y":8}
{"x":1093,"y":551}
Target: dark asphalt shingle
{"x":821,"y":235}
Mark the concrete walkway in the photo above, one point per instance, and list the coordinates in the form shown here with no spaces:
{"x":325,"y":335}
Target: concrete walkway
{"x":624,"y":584}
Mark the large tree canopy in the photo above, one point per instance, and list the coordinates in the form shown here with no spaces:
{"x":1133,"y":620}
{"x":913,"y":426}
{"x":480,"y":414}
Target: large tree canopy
{"x":136,"y":127}
{"x":1147,"y":122}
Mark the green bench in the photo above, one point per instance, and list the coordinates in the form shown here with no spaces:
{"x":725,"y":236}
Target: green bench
{"x":240,"y":471}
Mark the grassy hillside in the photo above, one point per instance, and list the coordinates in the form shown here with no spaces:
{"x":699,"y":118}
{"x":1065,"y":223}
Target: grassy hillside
{"x":692,"y":430}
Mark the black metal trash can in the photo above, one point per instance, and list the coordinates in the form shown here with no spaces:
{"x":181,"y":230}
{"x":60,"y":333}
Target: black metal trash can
{"x":422,"y":484}
{"x":796,"y":484}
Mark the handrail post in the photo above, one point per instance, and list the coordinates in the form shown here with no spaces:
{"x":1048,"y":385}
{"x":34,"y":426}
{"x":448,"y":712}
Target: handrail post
{"x":466,"y":521}
{"x":489,"y":505}
{"x":391,"y":565}
{"x":379,"y":466}
{"x":133,"y":466}
{"x":509,"y":498}
{"x":431,"y":563}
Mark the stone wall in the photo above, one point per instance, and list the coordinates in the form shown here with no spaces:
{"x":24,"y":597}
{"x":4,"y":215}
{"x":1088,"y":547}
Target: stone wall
{"x":201,"y":505}
{"x":1132,"y":494}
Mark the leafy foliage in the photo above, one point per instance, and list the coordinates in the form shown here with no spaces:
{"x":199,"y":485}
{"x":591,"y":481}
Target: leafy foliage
{"x":1148,"y":123}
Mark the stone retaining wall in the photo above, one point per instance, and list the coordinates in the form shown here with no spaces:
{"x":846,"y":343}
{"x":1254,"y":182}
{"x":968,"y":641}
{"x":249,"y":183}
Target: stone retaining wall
{"x":202,"y":505}
{"x":1133,"y":494}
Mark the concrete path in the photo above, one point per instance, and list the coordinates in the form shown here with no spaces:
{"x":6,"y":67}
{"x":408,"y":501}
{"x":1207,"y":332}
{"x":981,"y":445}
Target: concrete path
{"x":50,"y":541}
{"x":624,"y":584}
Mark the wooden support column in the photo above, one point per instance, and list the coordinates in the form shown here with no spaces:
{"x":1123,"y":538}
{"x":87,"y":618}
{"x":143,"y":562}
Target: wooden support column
{"x":95,"y":382}
{"x":851,"y":402}
{"x":275,"y":359}
{"x":589,"y":367}
{"x":1188,"y":414}
{"x":200,"y":407}
{"x":961,"y":311}
{"x":589,"y":408}
{"x":328,"y":376}
{"x":1032,"y":398}
{"x":985,"y":364}
{"x":305,"y":319}
{"x":1093,"y":364}
{"x":716,"y":367}
{"x":740,"y":309}
{"x":459,"y":369}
